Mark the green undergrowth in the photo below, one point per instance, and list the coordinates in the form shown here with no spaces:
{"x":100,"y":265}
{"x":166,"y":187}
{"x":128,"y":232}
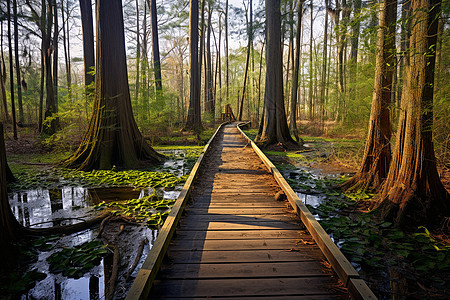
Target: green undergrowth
{"x":59,"y":177}
{"x":150,"y":209}
{"x":378,"y":246}
{"x":76,"y":261}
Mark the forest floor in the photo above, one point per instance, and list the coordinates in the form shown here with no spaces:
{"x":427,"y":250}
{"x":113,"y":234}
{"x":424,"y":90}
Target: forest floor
{"x":413,"y":264}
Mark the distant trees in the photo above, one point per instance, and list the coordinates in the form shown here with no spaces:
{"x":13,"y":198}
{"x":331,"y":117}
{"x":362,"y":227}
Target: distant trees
{"x":113,"y":137}
{"x":273,"y":127}
{"x":88,"y":41}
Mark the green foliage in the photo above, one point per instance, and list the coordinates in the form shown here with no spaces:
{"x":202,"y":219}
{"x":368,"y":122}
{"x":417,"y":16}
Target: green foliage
{"x":150,"y":209}
{"x":75,"y":262}
{"x":58,"y":177}
{"x":16,"y":283}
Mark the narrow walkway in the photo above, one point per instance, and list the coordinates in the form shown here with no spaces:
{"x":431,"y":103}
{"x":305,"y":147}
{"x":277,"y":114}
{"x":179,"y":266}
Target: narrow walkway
{"x":237,"y":241}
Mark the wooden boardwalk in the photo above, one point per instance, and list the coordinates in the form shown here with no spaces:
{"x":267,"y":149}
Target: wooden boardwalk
{"x":236,"y":241}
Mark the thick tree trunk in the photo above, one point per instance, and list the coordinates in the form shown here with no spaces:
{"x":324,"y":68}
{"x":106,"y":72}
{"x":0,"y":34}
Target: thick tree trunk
{"x":294,"y":93}
{"x":8,"y":223}
{"x":155,"y":46}
{"x":193,"y":121}
{"x":274,"y":128}
{"x":377,"y":154}
{"x":42,"y":81}
{"x":11,"y":71}
{"x":413,"y":193}
{"x":87,"y":25}
{"x":113,"y":138}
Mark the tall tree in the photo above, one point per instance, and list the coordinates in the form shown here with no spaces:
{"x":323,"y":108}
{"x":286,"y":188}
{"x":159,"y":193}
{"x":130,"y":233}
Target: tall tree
{"x":377,"y":154}
{"x":311,"y":30}
{"x":138,"y":53}
{"x":209,"y":96}
{"x":247,"y":61}
{"x":87,"y":25}
{"x":11,"y":70}
{"x":227,"y":74}
{"x":155,"y":46}
{"x":6,"y":118}
{"x":273,"y":127}
{"x":55,"y":43}
{"x":294,"y":93}
{"x":66,"y":44}
{"x":17,"y":63}
{"x":324,"y":65}
{"x":193,"y":121}
{"x":413,"y":193}
{"x":113,"y":137}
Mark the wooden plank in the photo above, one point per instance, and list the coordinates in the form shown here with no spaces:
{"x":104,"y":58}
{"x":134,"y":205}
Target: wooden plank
{"x":146,"y":275}
{"x":242,"y":234}
{"x":222,"y":256}
{"x":236,"y":218}
{"x":257,"y":244}
{"x":244,"y":270}
{"x":236,"y":211}
{"x":238,"y":204}
{"x":245,"y":287}
{"x":238,"y":225}
{"x":278,"y":297}
{"x":217,"y":197}
{"x":339,"y":262}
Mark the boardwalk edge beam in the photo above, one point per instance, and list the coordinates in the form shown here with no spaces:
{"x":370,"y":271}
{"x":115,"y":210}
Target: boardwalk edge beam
{"x":357,"y":287}
{"x":147,"y":274}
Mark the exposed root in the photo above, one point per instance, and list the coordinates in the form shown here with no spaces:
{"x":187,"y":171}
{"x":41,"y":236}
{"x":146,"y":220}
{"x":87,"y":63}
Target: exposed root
{"x":136,"y":260}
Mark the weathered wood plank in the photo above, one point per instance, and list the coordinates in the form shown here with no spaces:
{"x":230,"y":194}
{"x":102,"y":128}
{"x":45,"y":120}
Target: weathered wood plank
{"x":242,"y":234}
{"x":236,"y":218}
{"x":243,"y":224}
{"x":236,"y":211}
{"x":258,"y":244}
{"x":222,"y":256}
{"x":245,"y":287}
{"x":244,"y":270}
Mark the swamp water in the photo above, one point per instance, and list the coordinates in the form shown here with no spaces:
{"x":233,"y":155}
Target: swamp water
{"x":39,"y":208}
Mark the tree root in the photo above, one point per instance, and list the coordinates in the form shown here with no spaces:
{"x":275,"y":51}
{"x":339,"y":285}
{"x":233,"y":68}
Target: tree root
{"x":66,"y":229}
{"x":136,"y":260}
{"x":115,"y":270}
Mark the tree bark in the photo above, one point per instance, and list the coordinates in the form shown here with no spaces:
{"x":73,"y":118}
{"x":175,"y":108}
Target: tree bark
{"x":87,"y":25}
{"x":193,"y":121}
{"x":413,"y":193}
{"x":310,"y":97}
{"x":324,"y":67}
{"x":5,"y":115}
{"x":16,"y":60}
{"x":155,"y":46}
{"x":209,"y":97}
{"x":55,"y":55}
{"x":294,"y":93}
{"x":227,"y":75}
{"x":138,"y":53}
{"x":66,"y":39}
{"x":113,"y":138}
{"x":377,"y":154}
{"x":11,"y":71}
{"x":247,"y":61}
{"x":274,"y":128}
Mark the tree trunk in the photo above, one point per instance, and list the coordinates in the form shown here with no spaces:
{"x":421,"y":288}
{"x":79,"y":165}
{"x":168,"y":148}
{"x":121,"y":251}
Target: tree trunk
{"x":6,"y":118}
{"x":16,"y":59}
{"x":55,"y":56}
{"x":8,"y":223}
{"x":259,"y":78}
{"x":324,"y":67}
{"x":377,"y":154}
{"x":247,"y":61}
{"x":113,"y":138}
{"x":404,"y":45}
{"x":294,"y":93}
{"x":155,"y":46}
{"x":138,"y":53}
{"x":413,"y":193}
{"x":274,"y":128}
{"x":66,"y":39}
{"x":311,"y":106}
{"x":88,"y":41}
{"x":11,"y":70}
{"x":41,"y":85}
{"x":227,"y":77}
{"x":193,"y":121}
{"x":209,"y":97}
